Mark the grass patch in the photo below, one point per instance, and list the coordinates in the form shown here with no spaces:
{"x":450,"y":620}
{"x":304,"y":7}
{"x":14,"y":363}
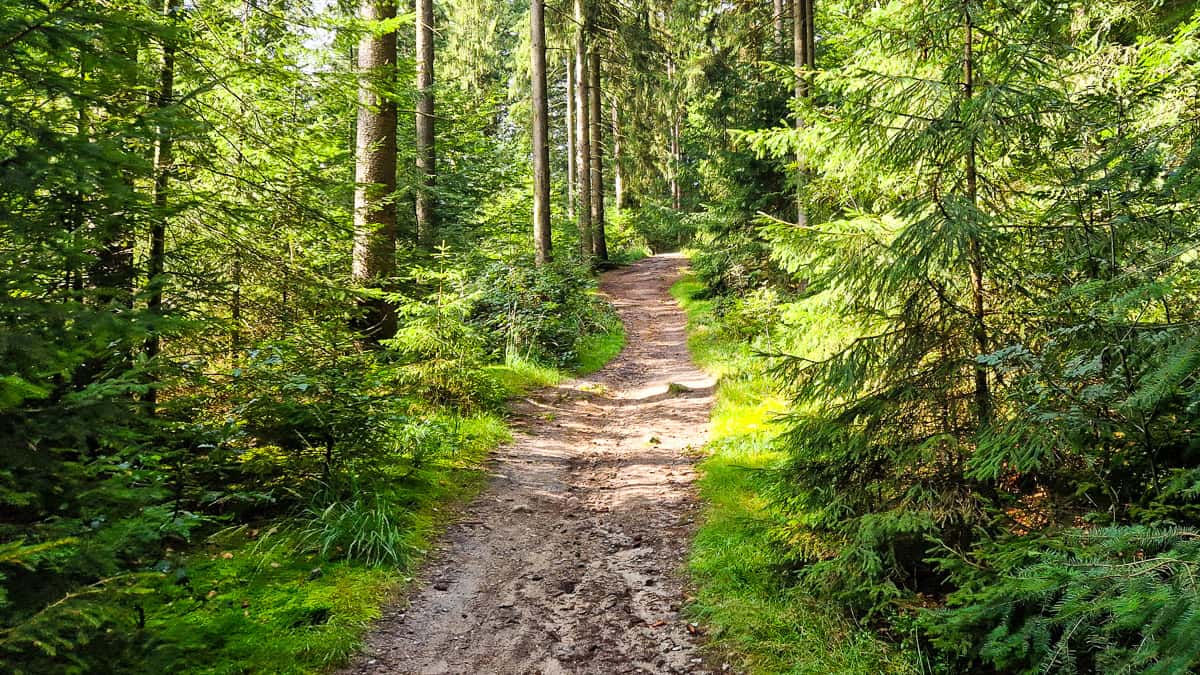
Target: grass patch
{"x":753,"y":615}
{"x":595,"y":351}
{"x":520,"y":375}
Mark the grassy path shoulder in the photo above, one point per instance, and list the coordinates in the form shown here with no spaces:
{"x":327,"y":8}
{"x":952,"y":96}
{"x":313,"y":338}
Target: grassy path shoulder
{"x":767,"y":626}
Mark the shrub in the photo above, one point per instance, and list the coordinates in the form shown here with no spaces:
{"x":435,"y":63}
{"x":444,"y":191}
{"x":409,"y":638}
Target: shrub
{"x":537,"y":313}
{"x":663,"y":228}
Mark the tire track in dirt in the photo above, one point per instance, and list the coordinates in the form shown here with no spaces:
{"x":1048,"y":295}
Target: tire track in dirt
{"x":570,"y":561}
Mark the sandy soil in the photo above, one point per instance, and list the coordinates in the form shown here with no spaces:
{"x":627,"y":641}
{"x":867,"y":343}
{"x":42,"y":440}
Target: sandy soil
{"x":570,"y":561}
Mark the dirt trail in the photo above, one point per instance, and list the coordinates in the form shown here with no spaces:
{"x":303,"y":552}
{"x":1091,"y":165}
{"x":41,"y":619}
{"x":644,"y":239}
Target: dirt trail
{"x":570,"y":561}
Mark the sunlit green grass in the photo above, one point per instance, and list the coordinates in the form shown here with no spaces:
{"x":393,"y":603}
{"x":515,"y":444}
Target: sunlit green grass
{"x":519,"y":375}
{"x":595,"y":351}
{"x":754,"y":616}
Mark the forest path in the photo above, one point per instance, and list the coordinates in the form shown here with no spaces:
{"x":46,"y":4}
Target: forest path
{"x":570,"y":561}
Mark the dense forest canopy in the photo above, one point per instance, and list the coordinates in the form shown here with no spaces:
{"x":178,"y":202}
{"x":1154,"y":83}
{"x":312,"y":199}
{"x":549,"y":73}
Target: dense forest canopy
{"x":269,"y":270}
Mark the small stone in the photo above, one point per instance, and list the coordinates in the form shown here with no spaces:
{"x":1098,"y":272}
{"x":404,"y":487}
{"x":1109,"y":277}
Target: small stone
{"x":441,"y":585}
{"x":522,"y":508}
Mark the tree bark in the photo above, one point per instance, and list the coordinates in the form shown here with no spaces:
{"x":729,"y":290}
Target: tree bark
{"x":163,"y":146}
{"x":599,"y":245}
{"x":618,"y":177}
{"x":426,"y":199}
{"x":803,"y":60}
{"x":112,"y":274}
{"x":541,"y":150}
{"x":374,"y":255}
{"x":676,"y":156}
{"x":571,"y":140}
{"x":811,"y":39}
{"x":676,"y":160}
{"x":983,"y":396}
{"x":582,"y":132}
{"x":779,"y":11}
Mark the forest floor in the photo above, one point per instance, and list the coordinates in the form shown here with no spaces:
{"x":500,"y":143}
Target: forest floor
{"x":571,"y":560}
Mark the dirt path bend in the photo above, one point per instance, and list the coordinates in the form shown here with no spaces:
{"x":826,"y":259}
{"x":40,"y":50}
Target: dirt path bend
{"x":570,"y":561}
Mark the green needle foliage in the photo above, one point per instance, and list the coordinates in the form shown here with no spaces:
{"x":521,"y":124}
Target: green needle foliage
{"x":985,"y":327}
{"x":948,"y":275}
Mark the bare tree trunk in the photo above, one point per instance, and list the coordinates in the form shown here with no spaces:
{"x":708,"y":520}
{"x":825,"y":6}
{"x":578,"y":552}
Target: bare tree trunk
{"x":541,"y":150}
{"x":983,"y":396}
{"x":112,"y":273}
{"x":163,"y":145}
{"x":779,"y":11}
{"x":810,"y":41}
{"x":618,"y":178}
{"x":235,"y":302}
{"x":599,"y":245}
{"x":676,"y":160}
{"x":582,"y":132}
{"x":801,"y":53}
{"x":571,"y":141}
{"x":375,"y":171}
{"x":426,"y":150}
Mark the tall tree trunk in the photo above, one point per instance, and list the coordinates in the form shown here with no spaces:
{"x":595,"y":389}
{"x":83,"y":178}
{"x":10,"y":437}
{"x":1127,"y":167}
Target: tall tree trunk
{"x":235,"y":301}
{"x":778,"y":8}
{"x":599,"y":245}
{"x":426,"y":151}
{"x":811,"y":41}
{"x":163,"y":142}
{"x":803,"y":59}
{"x":112,"y":274}
{"x":618,"y":177}
{"x":983,"y":396}
{"x":582,"y":132}
{"x":375,"y":171}
{"x":676,"y":157}
{"x":541,"y":150}
{"x":571,"y":140}
{"x":676,"y":160}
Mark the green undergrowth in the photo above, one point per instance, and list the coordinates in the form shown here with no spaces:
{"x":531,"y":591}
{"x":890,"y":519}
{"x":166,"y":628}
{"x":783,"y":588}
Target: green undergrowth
{"x":265,"y":600}
{"x":752,"y":613}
